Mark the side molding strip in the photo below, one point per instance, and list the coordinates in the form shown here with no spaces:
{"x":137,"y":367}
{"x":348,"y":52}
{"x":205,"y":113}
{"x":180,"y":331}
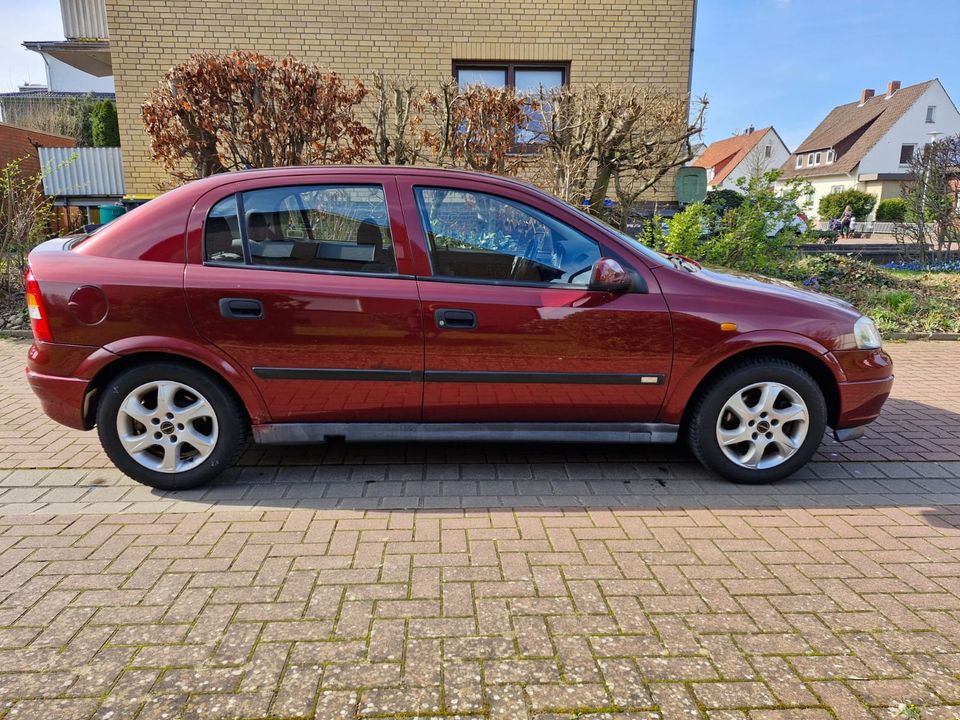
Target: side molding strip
{"x":314,"y":433}
{"x":456,"y":376}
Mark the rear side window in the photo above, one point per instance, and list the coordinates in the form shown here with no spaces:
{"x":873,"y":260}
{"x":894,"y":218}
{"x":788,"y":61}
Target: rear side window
{"x":341,"y":228}
{"x":221,"y":235}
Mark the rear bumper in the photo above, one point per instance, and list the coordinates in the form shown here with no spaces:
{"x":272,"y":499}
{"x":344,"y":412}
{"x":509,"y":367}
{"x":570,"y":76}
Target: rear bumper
{"x":61,"y":398}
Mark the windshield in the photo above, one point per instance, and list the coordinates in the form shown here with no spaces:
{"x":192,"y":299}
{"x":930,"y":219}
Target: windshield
{"x":647,"y":252}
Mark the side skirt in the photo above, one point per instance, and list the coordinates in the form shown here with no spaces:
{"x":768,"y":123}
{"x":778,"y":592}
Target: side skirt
{"x":314,"y":433}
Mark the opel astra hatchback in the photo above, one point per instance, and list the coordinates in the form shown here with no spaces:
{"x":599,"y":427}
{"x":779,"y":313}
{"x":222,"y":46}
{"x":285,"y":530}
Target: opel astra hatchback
{"x":298,"y":305}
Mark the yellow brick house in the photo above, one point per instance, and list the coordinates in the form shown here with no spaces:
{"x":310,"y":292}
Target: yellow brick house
{"x":497,"y":41}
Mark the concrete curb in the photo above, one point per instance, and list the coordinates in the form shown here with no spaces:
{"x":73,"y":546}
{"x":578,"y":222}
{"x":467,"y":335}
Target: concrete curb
{"x":18,"y":334}
{"x":920,"y":336}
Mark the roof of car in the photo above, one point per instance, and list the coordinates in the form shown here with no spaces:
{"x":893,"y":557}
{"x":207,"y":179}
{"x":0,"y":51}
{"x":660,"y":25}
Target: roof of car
{"x":224,"y":178}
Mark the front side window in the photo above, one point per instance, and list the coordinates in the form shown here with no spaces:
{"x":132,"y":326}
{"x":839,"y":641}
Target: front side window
{"x":799,"y":161}
{"x":473,"y":235}
{"x":931,"y":111}
{"x":314,"y":227}
{"x":906,"y":154}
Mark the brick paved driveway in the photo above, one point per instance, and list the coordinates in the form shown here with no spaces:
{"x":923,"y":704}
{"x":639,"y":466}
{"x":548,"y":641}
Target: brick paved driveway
{"x":490,"y":581}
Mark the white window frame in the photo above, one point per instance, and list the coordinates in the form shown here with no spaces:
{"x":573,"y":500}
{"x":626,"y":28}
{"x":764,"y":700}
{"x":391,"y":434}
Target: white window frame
{"x":799,"y":161}
{"x":913,"y":152}
{"x":830,"y":157}
{"x":931,"y":113}
{"x":819,"y":156}
{"x":810,"y":160}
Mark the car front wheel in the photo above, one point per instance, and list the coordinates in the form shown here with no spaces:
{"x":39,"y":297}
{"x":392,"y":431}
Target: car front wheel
{"x":760,"y":421}
{"x":170,"y":426}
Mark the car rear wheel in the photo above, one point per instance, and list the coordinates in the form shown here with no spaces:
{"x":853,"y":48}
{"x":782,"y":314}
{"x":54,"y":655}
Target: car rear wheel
{"x":760,"y":421}
{"x":170,"y":426}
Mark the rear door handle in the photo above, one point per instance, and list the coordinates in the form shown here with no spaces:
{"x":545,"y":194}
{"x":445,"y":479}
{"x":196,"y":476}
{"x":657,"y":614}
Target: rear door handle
{"x":454,"y":319}
{"x":241,"y":308}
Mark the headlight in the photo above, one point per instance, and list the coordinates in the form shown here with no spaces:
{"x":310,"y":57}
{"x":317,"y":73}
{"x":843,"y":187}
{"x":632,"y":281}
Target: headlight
{"x":866,"y":333}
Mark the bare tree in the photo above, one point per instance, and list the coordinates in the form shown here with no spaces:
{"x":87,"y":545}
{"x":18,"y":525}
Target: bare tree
{"x":931,"y":220}
{"x":398,"y":121}
{"x":25,"y":217}
{"x":477,"y":127}
{"x":756,"y":164}
{"x":629,"y":136}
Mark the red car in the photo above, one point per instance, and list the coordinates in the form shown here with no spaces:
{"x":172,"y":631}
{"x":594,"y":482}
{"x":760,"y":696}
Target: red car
{"x":304,"y":304}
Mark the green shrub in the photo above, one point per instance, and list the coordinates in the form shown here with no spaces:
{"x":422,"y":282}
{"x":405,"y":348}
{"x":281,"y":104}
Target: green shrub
{"x":106,"y":130}
{"x":651,"y":233}
{"x":832,"y":205}
{"x":688,"y":230}
{"x":892,"y":210}
{"x":723,"y":200}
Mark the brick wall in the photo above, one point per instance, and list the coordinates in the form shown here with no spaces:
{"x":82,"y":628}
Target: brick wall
{"x":645,"y":41}
{"x":17,"y":142}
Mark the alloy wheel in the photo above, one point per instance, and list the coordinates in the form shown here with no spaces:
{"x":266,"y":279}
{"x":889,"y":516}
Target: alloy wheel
{"x":762,"y":425}
{"x":167,"y":426}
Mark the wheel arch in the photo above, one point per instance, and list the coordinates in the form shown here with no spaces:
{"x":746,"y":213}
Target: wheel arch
{"x":816,"y":365}
{"x":247,"y":397}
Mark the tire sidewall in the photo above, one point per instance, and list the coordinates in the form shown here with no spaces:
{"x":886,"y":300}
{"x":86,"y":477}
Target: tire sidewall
{"x":230,"y":431}
{"x":704,"y":435}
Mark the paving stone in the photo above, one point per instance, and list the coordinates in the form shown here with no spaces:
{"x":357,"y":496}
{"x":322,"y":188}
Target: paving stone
{"x":488,"y":581}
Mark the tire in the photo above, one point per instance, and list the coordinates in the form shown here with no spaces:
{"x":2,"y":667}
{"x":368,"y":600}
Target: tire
{"x":780,"y":446}
{"x":202,"y":433}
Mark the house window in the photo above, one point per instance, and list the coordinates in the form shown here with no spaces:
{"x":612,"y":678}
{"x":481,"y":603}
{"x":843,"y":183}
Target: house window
{"x":767,"y":151}
{"x":830,"y":157}
{"x":818,"y":159}
{"x":810,"y":158}
{"x":931,"y":110}
{"x":836,"y":189}
{"x":525,"y":79}
{"x":799,"y":161}
{"x":906,"y":153}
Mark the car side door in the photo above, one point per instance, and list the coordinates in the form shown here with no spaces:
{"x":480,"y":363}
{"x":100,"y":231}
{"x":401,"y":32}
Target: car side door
{"x":512,"y":332}
{"x":308,"y":286}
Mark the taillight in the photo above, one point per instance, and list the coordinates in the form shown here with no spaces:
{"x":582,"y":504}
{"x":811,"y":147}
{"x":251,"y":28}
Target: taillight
{"x":39,"y":319}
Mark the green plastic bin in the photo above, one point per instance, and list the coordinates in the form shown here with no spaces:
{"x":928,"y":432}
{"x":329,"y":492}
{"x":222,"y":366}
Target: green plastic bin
{"x":110,"y":212}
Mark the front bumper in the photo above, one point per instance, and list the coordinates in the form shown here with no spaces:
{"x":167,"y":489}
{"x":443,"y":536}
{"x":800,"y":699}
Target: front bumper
{"x":860,"y":404}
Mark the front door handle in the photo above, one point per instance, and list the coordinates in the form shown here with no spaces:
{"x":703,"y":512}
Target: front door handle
{"x":454,"y":319}
{"x":241,"y":309}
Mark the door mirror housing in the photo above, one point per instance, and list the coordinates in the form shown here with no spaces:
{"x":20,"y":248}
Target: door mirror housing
{"x":608,"y":275}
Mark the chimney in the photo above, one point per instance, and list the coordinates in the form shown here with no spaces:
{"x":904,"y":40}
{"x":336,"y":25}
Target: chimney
{"x":892,"y":87}
{"x":866,"y":95}
{"x":749,"y":130}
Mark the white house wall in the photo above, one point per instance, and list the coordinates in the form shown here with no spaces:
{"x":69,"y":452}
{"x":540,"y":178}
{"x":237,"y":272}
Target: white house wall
{"x":66,"y":78}
{"x":779,"y":155}
{"x":823,"y":186}
{"x":912,"y":128}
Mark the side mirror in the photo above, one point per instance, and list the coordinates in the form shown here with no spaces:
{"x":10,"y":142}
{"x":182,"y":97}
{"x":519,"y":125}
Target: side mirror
{"x":608,"y":275}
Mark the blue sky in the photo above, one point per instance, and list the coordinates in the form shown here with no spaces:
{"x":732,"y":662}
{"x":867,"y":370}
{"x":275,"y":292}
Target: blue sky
{"x":787,"y":63}
{"x":784,"y":63}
